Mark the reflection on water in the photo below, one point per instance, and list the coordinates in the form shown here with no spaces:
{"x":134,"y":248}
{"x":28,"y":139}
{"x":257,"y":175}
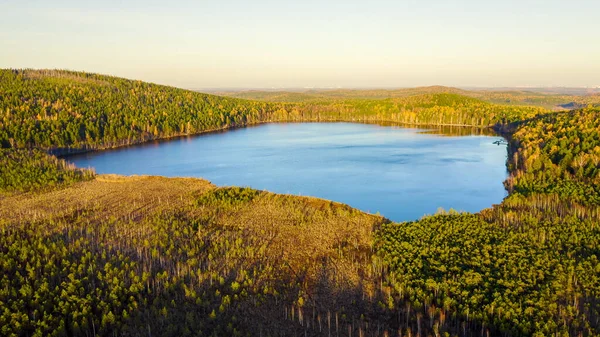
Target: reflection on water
{"x":453,"y":131}
{"x":444,"y":130}
{"x":403,"y":173}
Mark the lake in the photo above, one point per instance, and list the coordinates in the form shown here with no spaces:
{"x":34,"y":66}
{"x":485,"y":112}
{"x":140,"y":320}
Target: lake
{"x":402,"y":173}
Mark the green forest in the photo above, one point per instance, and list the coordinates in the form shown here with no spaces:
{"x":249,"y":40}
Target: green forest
{"x":66,"y":112}
{"x":83,"y":254}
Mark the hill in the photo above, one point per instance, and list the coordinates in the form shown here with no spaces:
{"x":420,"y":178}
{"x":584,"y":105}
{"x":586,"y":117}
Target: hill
{"x":63,"y":109}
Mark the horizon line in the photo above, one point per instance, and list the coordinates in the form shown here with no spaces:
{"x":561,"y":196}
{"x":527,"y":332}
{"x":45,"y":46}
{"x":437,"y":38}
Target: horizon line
{"x":594,"y":88}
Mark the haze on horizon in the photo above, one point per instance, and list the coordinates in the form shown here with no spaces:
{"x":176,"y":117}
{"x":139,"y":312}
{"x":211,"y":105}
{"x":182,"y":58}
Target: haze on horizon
{"x":265,"y":43}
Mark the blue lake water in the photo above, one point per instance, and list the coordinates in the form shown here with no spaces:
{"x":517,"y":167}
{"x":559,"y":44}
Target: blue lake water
{"x":402,"y":173}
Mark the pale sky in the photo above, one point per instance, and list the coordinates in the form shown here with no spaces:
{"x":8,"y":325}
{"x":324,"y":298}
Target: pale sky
{"x":264,"y":43}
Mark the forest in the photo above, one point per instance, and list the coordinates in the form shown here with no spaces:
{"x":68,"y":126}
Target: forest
{"x":103,"y":255}
{"x":65,"y":112}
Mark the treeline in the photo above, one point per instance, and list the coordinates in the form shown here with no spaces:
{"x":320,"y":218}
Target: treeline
{"x":426,"y":109}
{"x":66,"y":111}
{"x":62,"y":110}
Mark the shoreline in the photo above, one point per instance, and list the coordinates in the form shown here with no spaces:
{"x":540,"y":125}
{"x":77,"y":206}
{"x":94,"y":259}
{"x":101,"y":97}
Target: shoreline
{"x":63,"y":153}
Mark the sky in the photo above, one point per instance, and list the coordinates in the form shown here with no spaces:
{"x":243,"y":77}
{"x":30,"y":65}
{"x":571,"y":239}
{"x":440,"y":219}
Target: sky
{"x":297,"y":44}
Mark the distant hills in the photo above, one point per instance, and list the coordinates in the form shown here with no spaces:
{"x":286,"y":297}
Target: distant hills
{"x":551,"y":98}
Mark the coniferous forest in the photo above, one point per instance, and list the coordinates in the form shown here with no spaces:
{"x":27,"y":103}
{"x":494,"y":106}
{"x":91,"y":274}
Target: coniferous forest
{"x":104,"y":255}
